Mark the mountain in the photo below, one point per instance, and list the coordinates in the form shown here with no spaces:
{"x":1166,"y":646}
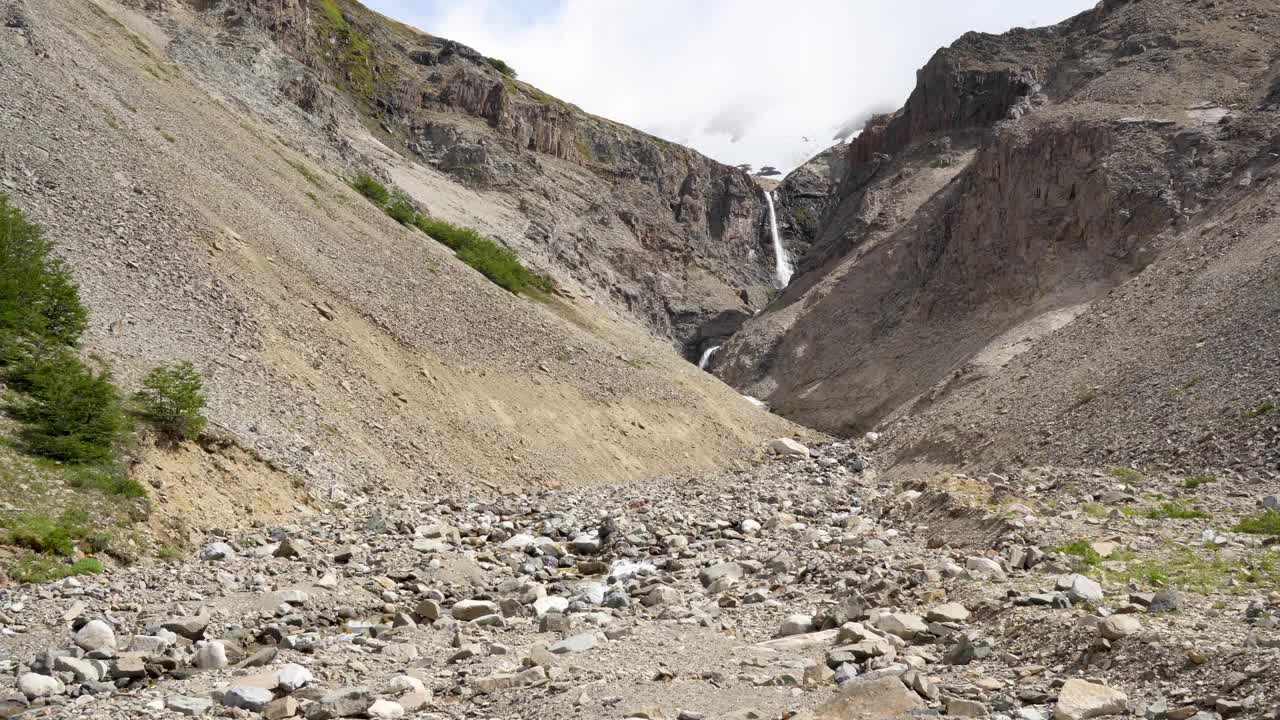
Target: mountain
{"x":190,"y":160}
{"x":1060,"y":249}
{"x":652,"y":230}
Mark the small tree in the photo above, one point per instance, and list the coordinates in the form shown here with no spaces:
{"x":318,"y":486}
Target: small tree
{"x":74,"y":414}
{"x":768,"y":171}
{"x":172,"y":399}
{"x":38,"y":299}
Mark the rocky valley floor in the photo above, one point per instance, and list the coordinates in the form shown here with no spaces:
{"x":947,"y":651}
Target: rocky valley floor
{"x":807,"y":587}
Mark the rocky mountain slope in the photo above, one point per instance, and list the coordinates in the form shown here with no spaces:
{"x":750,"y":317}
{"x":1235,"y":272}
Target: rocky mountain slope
{"x":204,"y":217}
{"x":653,"y":230}
{"x":1062,"y":248}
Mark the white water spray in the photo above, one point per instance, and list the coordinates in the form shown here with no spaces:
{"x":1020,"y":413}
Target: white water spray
{"x":706,"y":357}
{"x":781,"y":263}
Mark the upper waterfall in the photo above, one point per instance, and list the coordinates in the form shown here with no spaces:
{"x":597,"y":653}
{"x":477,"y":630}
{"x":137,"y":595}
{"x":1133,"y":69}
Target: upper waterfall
{"x":781,"y":262}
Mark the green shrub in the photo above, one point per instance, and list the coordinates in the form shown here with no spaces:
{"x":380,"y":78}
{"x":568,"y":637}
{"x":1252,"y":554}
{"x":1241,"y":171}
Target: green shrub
{"x":369,"y":187}
{"x":32,"y":568}
{"x":501,"y":67}
{"x":172,"y":399}
{"x":1263,"y":523}
{"x":39,"y":303}
{"x":493,"y":261}
{"x":73,"y":413}
{"x":401,"y":211}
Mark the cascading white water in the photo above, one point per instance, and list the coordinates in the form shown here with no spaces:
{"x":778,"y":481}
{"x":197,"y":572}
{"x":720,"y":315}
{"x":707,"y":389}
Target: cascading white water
{"x":706,"y":356}
{"x":781,"y":263}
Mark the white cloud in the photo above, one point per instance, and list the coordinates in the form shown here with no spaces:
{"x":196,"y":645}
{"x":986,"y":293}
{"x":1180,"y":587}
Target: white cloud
{"x":744,"y":81}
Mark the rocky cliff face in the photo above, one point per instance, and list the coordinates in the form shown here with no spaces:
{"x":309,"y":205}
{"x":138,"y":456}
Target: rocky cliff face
{"x":649,"y":228}
{"x":1027,"y":175}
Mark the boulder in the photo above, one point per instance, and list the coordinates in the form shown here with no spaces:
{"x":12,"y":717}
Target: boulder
{"x":95,"y":635}
{"x":876,"y":696}
{"x":35,"y":685}
{"x":253,"y":699}
{"x":473,"y":609}
{"x":1119,"y":626}
{"x":904,"y":625}
{"x":786,"y":447}
{"x":795,"y":625}
{"x":949,"y":612}
{"x":1081,"y":700}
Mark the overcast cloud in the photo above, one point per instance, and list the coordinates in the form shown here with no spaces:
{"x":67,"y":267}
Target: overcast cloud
{"x":766,"y":82}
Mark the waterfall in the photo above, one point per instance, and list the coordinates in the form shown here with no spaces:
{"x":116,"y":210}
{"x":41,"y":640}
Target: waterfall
{"x":706,"y":356}
{"x":781,"y":263}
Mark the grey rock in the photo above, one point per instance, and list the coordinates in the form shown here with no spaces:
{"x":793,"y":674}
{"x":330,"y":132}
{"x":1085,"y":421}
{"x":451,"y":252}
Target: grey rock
{"x":188,"y":705}
{"x":291,"y":677}
{"x":96,"y":635}
{"x":82,"y":670}
{"x":217,"y":552}
{"x":34,"y":685}
{"x":247,"y":698}
{"x":473,"y":609}
{"x":574,"y":644}
{"x":343,"y":702}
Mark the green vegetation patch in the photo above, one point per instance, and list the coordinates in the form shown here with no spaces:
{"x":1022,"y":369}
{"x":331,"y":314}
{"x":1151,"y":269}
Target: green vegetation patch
{"x":33,"y":568}
{"x":1175,"y":511}
{"x":1205,"y":571}
{"x":1083,"y":551}
{"x":60,"y":536}
{"x":1128,"y":475}
{"x":1265,"y":408}
{"x":502,"y":67}
{"x":1196,"y":481}
{"x":368,"y":186}
{"x":353,"y":54}
{"x":1263,"y":523}
{"x":493,"y":260}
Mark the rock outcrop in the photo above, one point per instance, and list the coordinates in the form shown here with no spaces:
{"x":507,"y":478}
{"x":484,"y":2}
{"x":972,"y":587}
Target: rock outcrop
{"x":646,"y":227}
{"x":1028,"y":175}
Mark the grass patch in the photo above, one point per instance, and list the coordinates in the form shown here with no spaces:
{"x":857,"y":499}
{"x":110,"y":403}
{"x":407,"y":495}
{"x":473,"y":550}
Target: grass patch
{"x":1083,"y":396}
{"x":1128,"y":475}
{"x":1263,"y":523}
{"x":1083,"y":551}
{"x":106,"y":479}
{"x":168,"y":552}
{"x":1175,"y":511}
{"x":1092,"y":509}
{"x":1206,"y":572}
{"x":305,"y":172}
{"x":351,"y":52}
{"x":1194,"y":381}
{"x":1265,"y":408}
{"x":50,"y":536}
{"x":32,"y":568}
{"x":1196,"y":481}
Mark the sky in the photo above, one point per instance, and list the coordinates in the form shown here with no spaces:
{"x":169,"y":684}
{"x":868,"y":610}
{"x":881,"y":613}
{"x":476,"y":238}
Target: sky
{"x":765,"y":82}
